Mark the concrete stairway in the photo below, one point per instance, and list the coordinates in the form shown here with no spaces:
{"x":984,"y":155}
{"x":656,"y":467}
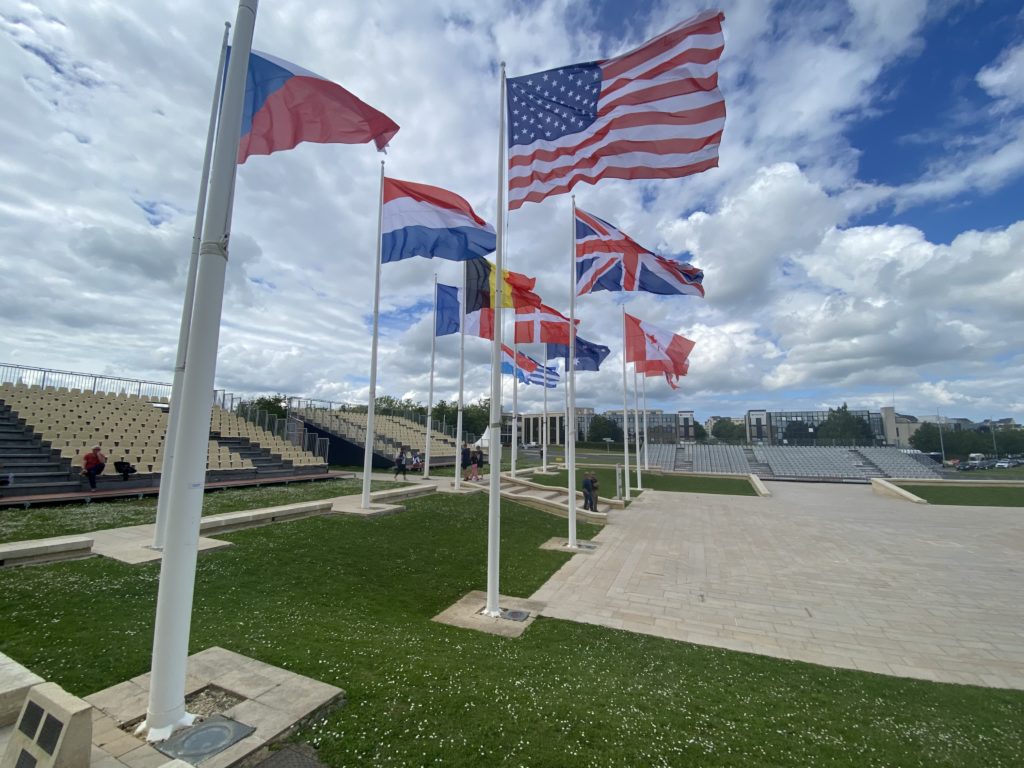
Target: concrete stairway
{"x":551,"y":499}
{"x":759,"y":468}
{"x":28,"y":464}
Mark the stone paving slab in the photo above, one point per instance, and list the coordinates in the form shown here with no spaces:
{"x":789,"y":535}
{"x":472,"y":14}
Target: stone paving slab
{"x":829,"y":574}
{"x":466,"y":613}
{"x":561,"y":544}
{"x":274,"y":700}
{"x":132,"y":544}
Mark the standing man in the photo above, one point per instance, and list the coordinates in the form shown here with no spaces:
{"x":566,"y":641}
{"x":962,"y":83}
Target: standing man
{"x":588,"y":491}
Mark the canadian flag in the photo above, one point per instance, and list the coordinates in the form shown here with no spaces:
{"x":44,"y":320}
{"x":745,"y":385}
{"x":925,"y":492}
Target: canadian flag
{"x":655,"y":350}
{"x":536,"y":325}
{"x":671,"y":378}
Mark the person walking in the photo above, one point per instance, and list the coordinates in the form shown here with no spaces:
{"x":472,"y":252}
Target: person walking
{"x":464,"y":460}
{"x":93,"y":464}
{"x":593,"y":491}
{"x":588,"y":492}
{"x":400,"y":462}
{"x":475,"y":460}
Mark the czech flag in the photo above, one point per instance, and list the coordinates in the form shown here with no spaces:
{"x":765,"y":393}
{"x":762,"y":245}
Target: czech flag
{"x":286,"y":104}
{"x":421,"y":220}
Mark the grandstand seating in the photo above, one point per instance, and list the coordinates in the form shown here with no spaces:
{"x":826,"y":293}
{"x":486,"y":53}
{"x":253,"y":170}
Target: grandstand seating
{"x":720,"y":458}
{"x":662,"y":456}
{"x":814,"y":462}
{"x":391,"y":432}
{"x":802,"y":462}
{"x":895,"y":463}
{"x":132,"y":428}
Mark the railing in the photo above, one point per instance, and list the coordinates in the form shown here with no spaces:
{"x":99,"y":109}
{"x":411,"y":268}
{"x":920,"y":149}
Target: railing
{"x":299,"y":404}
{"x":86,"y":382}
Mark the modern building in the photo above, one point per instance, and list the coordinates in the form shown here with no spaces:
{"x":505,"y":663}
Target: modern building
{"x":771,"y":427}
{"x":686,"y":422}
{"x":662,"y":428}
{"x":531,"y":426}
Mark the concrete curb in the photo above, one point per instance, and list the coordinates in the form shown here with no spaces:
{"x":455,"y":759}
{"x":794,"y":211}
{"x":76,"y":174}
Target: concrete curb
{"x":885,"y":488}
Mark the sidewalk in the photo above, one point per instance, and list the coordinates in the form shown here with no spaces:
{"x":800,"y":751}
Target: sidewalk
{"x":828,"y":574}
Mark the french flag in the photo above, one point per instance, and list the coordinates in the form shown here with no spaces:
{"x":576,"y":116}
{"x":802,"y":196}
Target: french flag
{"x":286,"y":104}
{"x":421,"y":220}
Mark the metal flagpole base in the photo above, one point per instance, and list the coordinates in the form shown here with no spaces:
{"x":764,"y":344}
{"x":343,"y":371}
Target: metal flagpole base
{"x":162,"y":734}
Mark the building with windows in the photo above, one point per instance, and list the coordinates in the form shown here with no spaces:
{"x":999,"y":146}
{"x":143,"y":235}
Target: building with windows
{"x":662,"y":428}
{"x":801,"y":427}
{"x":531,"y":426}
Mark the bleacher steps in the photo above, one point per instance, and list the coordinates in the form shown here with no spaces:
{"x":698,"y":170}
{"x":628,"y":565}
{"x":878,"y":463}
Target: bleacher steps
{"x":27,"y":463}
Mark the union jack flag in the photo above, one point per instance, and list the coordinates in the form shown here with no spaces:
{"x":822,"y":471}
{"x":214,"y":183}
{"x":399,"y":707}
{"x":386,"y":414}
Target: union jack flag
{"x":609,"y":260}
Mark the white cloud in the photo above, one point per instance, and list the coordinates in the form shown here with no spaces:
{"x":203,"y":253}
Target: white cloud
{"x":102,"y":163}
{"x":1004,"y":78}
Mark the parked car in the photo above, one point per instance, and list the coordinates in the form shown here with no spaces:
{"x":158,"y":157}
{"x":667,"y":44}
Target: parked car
{"x":1007,"y":463}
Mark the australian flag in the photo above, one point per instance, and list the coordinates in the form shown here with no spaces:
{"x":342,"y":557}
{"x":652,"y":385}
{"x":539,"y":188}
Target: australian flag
{"x":589,"y":355}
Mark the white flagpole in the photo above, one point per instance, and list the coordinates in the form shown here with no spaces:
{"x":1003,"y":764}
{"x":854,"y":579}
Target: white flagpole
{"x":570,"y":387}
{"x":371,"y":407}
{"x":494,"y":447}
{"x":544,"y":424}
{"x":163,"y":497}
{"x":636,"y":430}
{"x":462,"y":369}
{"x":430,"y":396}
{"x":515,"y":397}
{"x":625,"y":407}
{"x":647,"y":452}
{"x":166,"y":708}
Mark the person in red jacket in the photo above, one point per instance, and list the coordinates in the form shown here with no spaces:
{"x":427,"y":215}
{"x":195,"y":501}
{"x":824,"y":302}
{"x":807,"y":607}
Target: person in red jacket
{"x":93,"y":464}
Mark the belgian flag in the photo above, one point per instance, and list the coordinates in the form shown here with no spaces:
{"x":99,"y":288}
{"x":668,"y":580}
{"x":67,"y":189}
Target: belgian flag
{"x":481,"y":284}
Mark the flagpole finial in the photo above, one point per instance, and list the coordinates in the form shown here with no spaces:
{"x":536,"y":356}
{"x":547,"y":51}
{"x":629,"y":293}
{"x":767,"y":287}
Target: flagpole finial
{"x":227,"y":25}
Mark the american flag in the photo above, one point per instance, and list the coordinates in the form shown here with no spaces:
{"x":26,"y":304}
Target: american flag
{"x":609,"y":260}
{"x":653,"y":113}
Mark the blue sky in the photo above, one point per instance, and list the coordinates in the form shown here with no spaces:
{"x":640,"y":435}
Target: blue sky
{"x":861,"y":239}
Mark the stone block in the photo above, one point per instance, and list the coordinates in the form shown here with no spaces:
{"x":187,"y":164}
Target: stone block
{"x":53,"y":730}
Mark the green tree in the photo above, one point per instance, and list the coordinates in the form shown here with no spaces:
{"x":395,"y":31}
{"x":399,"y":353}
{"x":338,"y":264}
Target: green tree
{"x":602,"y":427}
{"x":796,"y":433}
{"x":926,"y":439}
{"x":477,"y":416}
{"x":389,"y":404}
{"x":699,"y":433}
{"x":842,"y":427}
{"x":275,"y":404}
{"x":726,"y":429}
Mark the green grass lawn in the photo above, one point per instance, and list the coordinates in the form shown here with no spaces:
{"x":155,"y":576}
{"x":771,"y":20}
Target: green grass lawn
{"x":349,"y":601}
{"x":39,"y":522}
{"x":678,"y":483}
{"x":970,"y":495}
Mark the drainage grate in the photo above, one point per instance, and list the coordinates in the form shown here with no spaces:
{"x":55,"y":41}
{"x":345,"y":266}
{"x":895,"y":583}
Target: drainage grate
{"x":195,"y":744}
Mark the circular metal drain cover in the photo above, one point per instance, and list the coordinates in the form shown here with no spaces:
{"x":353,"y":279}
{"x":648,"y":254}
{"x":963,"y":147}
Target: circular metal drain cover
{"x":204,"y":739}
{"x":514,"y":615}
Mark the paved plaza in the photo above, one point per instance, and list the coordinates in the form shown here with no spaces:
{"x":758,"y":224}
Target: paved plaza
{"x":829,"y":574}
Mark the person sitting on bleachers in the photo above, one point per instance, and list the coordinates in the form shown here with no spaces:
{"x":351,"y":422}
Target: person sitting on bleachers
{"x":93,"y":464}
